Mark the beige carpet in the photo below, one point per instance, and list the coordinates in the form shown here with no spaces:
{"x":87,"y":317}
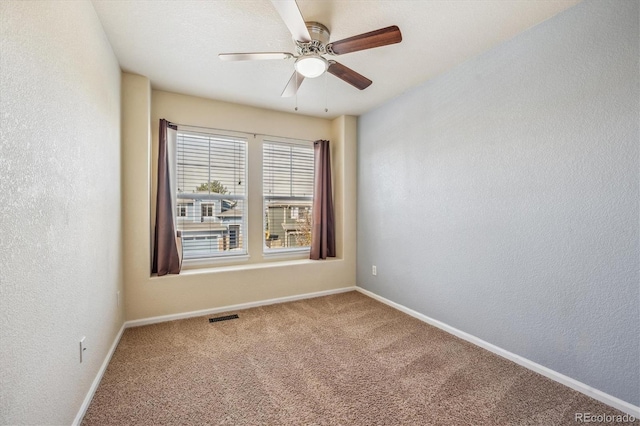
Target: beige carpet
{"x":344,"y":359}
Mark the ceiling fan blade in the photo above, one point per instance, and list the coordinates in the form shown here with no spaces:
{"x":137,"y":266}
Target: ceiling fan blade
{"x":293,"y":85}
{"x":350,"y":76}
{"x":377,"y":38}
{"x":290,"y":14}
{"x":254,"y":56}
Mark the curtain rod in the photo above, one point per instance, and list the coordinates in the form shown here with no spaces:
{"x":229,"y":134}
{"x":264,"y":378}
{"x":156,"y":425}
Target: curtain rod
{"x":238,"y":131}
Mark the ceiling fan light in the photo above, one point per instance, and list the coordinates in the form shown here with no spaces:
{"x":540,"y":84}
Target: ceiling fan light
{"x":311,"y":66}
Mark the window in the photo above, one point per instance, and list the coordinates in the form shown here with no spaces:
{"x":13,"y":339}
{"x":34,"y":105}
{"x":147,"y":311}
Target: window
{"x":211,"y":183}
{"x":207,"y":210}
{"x":287,"y":180}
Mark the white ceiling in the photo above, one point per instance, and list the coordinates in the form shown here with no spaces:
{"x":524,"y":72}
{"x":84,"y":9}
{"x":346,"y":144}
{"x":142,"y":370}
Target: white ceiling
{"x":175,"y":44}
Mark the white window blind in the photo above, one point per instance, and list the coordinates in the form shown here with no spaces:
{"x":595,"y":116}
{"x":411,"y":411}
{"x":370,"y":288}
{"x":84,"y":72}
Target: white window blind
{"x":211,"y":194}
{"x":287,"y":180}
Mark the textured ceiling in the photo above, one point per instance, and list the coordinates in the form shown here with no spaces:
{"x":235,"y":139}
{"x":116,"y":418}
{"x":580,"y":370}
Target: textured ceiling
{"x":175,"y":44}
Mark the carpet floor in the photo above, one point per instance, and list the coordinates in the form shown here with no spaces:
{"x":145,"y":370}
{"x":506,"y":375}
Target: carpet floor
{"x":344,"y":359}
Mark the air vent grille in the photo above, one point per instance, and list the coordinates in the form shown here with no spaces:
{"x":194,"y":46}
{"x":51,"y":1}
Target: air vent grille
{"x":225,"y":318}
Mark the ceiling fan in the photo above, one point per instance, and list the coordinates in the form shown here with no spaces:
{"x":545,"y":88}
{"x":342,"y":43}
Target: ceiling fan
{"x":312,"y":42}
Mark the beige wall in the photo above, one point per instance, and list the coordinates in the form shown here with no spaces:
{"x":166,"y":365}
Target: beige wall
{"x":60,"y":207}
{"x":136,"y":163}
{"x":227,"y":284}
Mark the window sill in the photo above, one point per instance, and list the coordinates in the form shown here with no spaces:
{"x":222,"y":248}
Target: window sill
{"x":190,"y":264}
{"x":242,"y":260}
{"x":290,"y":253}
{"x":252,"y":266}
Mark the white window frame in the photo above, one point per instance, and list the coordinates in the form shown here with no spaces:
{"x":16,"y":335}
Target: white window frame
{"x":208,"y":199}
{"x":207,"y":209}
{"x":282,"y":251}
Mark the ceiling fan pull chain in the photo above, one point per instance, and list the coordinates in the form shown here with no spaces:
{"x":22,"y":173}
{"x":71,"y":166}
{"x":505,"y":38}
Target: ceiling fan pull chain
{"x":297,"y":87}
{"x":326,"y":95}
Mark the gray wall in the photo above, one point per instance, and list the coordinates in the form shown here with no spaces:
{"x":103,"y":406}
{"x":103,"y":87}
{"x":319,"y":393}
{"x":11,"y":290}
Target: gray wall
{"x":60,"y":226}
{"x":502,"y":197}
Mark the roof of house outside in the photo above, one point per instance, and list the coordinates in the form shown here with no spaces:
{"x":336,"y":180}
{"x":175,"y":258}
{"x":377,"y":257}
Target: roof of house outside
{"x":230,"y":213}
{"x":278,"y":203}
{"x":201,"y":226}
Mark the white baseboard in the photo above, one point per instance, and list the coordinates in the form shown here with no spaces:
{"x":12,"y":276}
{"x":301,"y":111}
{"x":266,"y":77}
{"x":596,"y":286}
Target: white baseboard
{"x":173,"y":317}
{"x":98,"y":378}
{"x":547,"y":372}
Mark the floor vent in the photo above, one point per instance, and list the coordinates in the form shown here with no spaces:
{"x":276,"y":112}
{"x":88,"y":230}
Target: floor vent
{"x":225,"y":318}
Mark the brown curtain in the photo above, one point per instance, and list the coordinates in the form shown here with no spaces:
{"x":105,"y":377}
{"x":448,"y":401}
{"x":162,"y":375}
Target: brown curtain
{"x":167,"y":250}
{"x":323,"y":236}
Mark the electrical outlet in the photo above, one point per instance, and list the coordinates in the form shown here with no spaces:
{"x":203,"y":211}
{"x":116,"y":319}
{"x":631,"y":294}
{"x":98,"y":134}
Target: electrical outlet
{"x":82,"y":348}
{"x":374,"y":270}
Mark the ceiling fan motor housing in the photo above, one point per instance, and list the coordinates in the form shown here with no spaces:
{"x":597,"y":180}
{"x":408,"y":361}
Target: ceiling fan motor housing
{"x":319,"y":38}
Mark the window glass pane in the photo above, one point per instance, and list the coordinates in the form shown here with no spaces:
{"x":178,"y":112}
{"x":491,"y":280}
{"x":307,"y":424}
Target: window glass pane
{"x":288,"y":195}
{"x":211,"y":194}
